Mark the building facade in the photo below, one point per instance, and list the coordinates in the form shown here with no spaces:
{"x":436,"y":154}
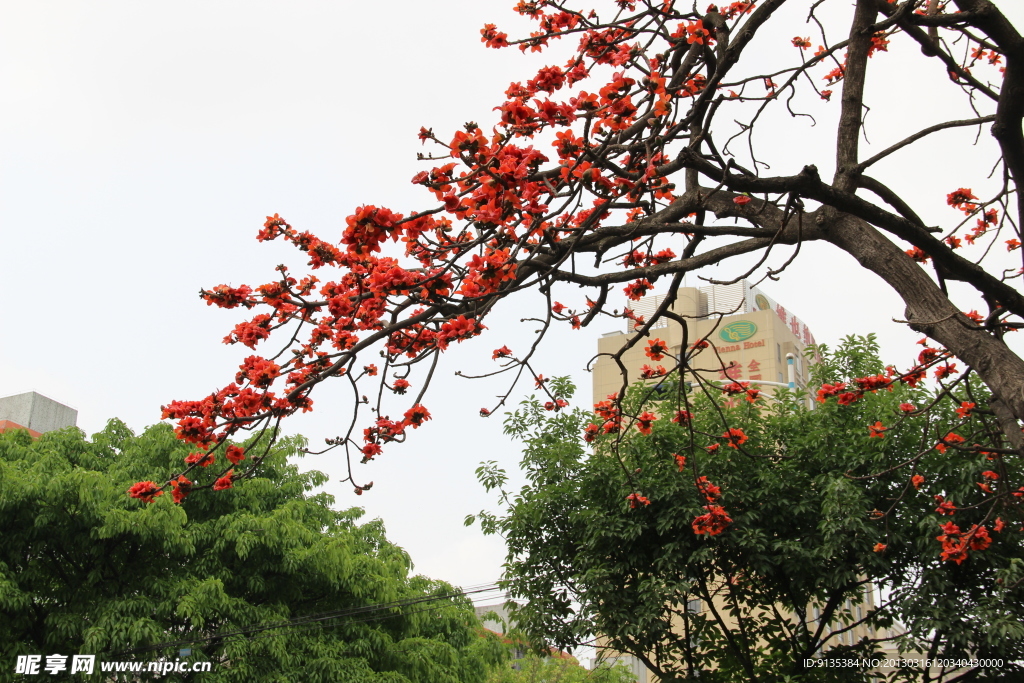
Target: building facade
{"x":755,"y":339}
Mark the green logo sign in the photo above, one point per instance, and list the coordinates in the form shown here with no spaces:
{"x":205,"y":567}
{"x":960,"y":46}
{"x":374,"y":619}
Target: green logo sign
{"x":762,"y":302}
{"x":738,"y":331}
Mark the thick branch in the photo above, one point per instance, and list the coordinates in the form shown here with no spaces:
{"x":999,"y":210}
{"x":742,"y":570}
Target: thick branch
{"x":848,"y":136}
{"x":994,"y":362}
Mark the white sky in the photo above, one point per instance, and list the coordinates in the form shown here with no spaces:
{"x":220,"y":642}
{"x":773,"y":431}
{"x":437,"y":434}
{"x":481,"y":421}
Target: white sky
{"x":143,"y":144}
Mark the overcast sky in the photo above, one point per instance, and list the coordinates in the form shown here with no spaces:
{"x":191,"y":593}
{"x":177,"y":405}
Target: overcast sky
{"x":143,"y":144}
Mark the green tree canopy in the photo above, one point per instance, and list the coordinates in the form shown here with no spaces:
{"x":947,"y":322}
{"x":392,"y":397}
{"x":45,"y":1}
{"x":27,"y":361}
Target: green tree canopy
{"x":788,"y":514}
{"x":86,"y":569}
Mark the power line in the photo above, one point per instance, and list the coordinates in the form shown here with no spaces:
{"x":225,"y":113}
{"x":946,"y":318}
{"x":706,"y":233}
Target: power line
{"x":365,"y":611}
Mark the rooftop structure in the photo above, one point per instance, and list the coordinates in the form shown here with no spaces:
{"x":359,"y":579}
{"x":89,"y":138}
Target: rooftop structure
{"x":36,"y":413}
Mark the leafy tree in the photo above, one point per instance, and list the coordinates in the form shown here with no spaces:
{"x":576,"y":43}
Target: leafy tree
{"x":534,"y":668}
{"x":85,"y":569}
{"x":787,"y":511}
{"x":644,"y":148}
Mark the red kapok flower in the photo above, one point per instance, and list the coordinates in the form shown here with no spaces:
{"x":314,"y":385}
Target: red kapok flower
{"x":847,"y":398}
{"x":876,"y":430}
{"x":235,"y":454}
{"x":400,"y":386}
{"x":682,"y":416}
{"x":180,"y":488}
{"x":829,"y":390}
{"x":636,"y":290}
{"x":145,"y":491}
{"x":656,"y":349}
{"x":964,"y":411}
{"x":225,"y":481}
{"x":950,"y":439}
{"x":680,"y":460}
{"x":734,"y":388}
{"x":978,"y":538}
{"x":707,"y":489}
{"x":959,"y":198}
{"x":636,"y":499}
{"x":918,"y":255}
{"x":907,"y":407}
{"x":696,"y":33}
{"x":643,"y":423}
{"x":741,"y":200}
{"x":736,"y":437}
{"x":879,"y":547}
{"x":917,"y":480}
{"x":647,"y":372}
{"x":201,"y":459}
{"x":416,"y":416}
{"x":713,"y":522}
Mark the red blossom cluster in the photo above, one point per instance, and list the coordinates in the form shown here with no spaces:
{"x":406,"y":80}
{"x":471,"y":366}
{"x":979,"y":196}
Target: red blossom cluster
{"x":735,"y":388}
{"x":873,"y":383}
{"x":635,"y":500}
{"x":145,"y":491}
{"x":647,"y":372}
{"x":710,"y":492}
{"x":951,"y":439}
{"x":712,"y":522}
{"x":956,"y":543}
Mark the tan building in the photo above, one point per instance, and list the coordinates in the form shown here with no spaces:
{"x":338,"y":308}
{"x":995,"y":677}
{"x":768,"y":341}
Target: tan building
{"x":756,"y":339}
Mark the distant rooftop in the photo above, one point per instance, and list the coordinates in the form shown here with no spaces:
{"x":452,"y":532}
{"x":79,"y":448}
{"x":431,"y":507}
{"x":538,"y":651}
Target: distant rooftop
{"x":35,"y":412}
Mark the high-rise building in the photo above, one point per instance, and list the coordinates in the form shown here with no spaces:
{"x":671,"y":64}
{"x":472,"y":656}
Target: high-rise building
{"x":757,"y":339}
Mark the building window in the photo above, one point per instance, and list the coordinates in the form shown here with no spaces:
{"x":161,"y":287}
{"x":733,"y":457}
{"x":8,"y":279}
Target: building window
{"x":693,"y":606}
{"x":778,"y":352}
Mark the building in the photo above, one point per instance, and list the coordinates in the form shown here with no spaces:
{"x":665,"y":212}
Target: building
{"x":757,"y":339}
{"x":36,"y":413}
{"x":499,"y":626}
